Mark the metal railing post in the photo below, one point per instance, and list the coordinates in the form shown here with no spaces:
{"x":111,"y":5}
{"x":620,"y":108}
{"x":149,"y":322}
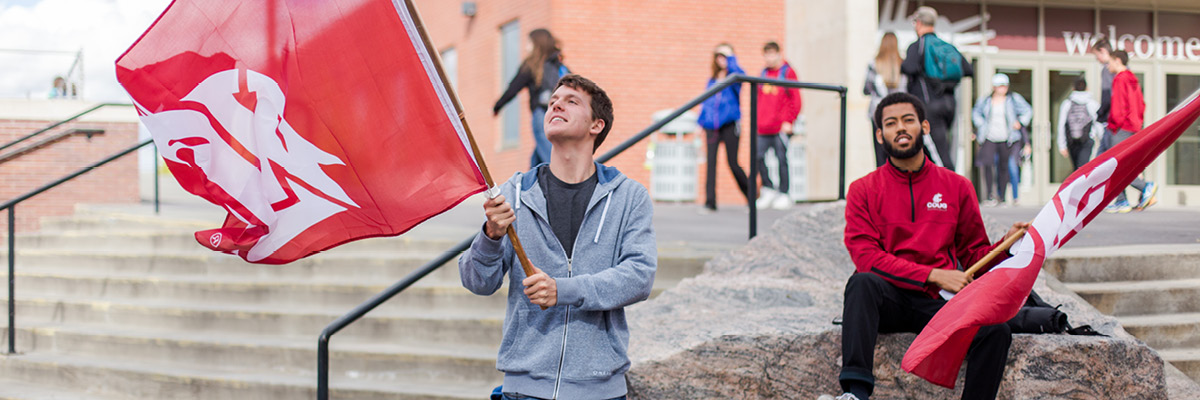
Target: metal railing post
{"x":12,"y":260}
{"x":842,"y":156}
{"x":323,"y":367}
{"x":752,"y":180}
{"x":155,"y":163}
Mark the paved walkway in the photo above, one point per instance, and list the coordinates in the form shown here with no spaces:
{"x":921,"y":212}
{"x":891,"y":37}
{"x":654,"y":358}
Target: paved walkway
{"x":682,"y":225}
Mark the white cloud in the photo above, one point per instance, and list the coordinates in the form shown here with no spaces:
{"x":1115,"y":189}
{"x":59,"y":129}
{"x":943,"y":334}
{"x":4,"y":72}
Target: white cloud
{"x":102,"y":29}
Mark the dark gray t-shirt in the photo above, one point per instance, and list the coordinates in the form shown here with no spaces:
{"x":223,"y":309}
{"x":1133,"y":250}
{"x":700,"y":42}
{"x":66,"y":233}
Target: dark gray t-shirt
{"x":565,"y":204}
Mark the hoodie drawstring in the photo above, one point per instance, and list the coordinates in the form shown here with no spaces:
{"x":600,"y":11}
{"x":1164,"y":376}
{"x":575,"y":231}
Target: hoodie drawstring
{"x":603,"y":216}
{"x":517,"y":198}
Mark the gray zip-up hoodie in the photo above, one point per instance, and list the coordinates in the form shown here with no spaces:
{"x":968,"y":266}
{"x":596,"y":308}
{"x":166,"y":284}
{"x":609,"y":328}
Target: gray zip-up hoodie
{"x":576,"y":349}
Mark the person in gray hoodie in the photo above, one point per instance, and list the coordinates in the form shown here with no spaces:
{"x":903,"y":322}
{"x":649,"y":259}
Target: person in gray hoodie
{"x":586,"y":228}
{"x":1078,"y":125}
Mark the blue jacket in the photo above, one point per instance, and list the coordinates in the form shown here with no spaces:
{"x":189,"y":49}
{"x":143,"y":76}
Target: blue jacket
{"x":1015,"y":108}
{"x":725,"y":106}
{"x":576,"y":349}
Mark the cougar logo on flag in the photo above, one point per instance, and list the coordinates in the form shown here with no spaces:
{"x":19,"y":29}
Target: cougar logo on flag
{"x":270,"y":172}
{"x":306,"y":151}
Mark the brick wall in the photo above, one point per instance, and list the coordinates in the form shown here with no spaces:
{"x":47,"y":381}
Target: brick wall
{"x":648,"y":56}
{"x":115,"y":182}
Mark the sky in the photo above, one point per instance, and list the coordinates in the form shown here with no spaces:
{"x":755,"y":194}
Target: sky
{"x":102,"y":29}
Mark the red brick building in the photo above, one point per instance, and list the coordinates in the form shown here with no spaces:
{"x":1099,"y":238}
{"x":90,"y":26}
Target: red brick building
{"x":116,"y":182}
{"x":648,"y":56}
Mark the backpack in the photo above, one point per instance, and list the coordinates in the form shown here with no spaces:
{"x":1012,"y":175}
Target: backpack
{"x":942,"y":61}
{"x":1079,"y":122}
{"x":547,"y":84}
{"x":1038,"y":316}
{"x":783,"y":70}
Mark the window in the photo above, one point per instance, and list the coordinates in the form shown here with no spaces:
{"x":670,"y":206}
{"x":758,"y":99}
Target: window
{"x":1183,"y":158}
{"x":510,"y":63}
{"x":450,"y":66}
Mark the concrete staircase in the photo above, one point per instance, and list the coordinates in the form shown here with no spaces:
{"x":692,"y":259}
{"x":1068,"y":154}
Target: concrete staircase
{"x":1153,"y":290}
{"x":128,"y":306}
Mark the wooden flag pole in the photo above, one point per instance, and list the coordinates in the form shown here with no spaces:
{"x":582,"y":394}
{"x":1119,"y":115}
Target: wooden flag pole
{"x":487,"y":177}
{"x":991,"y":255}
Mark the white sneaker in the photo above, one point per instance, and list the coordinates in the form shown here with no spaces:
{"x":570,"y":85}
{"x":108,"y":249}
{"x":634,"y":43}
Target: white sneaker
{"x":767,"y":198}
{"x":782,"y":202}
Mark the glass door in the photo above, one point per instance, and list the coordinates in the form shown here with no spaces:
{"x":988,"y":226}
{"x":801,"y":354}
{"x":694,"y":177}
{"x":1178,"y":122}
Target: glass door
{"x":1183,"y":158}
{"x":1060,"y":84}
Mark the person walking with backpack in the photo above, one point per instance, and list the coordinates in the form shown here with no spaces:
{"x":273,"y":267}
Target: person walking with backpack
{"x":999,"y":118}
{"x":538,"y":74}
{"x":719,"y":117}
{"x":1077,"y":125}
{"x":934,"y":69}
{"x":778,"y":107}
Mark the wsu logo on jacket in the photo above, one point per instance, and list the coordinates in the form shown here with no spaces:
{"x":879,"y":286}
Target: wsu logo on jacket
{"x":937,"y":203}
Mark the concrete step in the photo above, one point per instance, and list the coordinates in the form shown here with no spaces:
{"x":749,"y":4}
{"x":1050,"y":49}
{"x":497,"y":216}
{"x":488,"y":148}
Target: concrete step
{"x":235,"y":290}
{"x":12,"y":390}
{"x":371,"y":360}
{"x":1186,"y":360}
{"x":325,"y":293}
{"x":1165,"y":331}
{"x":1125,"y":263}
{"x":1141,"y":297}
{"x":176,"y":241}
{"x":374,"y":266}
{"x":436,"y":327}
{"x":124,"y":223}
{"x":180,"y":381}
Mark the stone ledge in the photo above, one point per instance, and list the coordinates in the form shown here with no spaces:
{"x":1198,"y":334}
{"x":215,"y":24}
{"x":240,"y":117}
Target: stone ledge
{"x":756,"y":324}
{"x":806,"y":365}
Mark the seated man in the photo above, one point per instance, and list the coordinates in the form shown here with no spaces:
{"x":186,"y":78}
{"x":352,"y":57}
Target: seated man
{"x":911,"y":229}
{"x":586,"y":229}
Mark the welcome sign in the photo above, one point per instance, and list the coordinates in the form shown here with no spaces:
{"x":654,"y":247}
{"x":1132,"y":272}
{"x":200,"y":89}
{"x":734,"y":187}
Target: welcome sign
{"x":1140,"y":46}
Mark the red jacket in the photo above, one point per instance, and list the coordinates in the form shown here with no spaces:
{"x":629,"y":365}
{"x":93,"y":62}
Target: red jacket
{"x":900,"y":225}
{"x":1128,"y":107}
{"x":777,"y":105}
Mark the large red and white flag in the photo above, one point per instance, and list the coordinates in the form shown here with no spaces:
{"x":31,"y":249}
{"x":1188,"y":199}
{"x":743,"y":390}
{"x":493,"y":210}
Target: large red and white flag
{"x":938,"y":352}
{"x":313,"y":123}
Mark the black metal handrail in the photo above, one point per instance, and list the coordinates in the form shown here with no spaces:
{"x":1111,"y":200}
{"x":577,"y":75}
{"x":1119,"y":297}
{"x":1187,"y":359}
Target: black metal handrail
{"x":59,"y":123}
{"x":11,"y":205}
{"x":413,"y":277}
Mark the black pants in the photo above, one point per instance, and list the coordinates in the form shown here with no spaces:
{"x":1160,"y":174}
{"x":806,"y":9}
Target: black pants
{"x":728,"y":135}
{"x":940,"y":113}
{"x":767,"y":142}
{"x":1112,"y":139}
{"x":993,"y":159}
{"x":1080,"y":151}
{"x":874,"y":306}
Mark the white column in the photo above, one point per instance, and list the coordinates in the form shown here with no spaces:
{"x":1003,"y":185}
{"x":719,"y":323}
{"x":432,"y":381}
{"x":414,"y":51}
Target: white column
{"x":832,"y":42}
